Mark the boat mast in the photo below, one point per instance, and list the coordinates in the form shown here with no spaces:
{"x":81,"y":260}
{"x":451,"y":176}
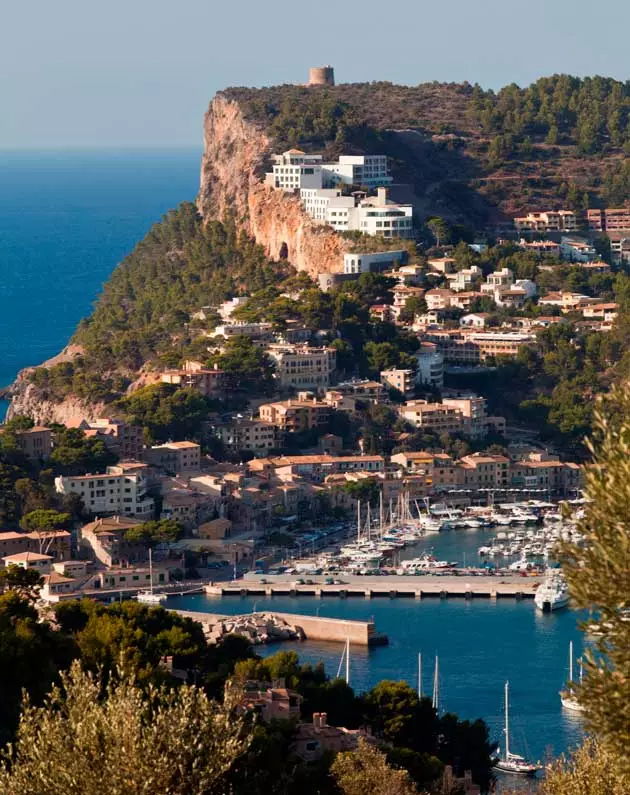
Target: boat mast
{"x":358,"y":520}
{"x":507,"y":726}
{"x":347,"y":661}
{"x":380,"y":513}
{"x":150,"y":572}
{"x":571,"y":662}
{"x":436,"y":687}
{"x":419,"y":675}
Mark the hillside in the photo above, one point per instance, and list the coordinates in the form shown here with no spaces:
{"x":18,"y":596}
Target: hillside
{"x":472,"y":155}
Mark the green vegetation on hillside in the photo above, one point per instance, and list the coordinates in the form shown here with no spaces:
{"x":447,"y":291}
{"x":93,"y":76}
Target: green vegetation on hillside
{"x":180,"y":266}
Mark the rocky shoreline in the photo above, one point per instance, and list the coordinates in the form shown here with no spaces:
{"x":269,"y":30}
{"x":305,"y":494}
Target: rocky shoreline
{"x":258,"y":628}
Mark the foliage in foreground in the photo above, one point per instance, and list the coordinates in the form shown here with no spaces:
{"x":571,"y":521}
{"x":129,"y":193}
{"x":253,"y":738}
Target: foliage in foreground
{"x":599,"y":575}
{"x":591,"y":770}
{"x":366,"y":770}
{"x":171,"y":742}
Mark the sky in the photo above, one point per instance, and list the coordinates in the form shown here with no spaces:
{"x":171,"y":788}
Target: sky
{"x":140,"y":73}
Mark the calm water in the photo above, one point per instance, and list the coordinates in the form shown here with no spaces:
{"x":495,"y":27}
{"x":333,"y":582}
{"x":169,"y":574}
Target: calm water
{"x":480,"y":645}
{"x":66,"y":220}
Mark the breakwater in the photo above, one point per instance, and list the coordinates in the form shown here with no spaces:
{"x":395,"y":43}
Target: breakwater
{"x":359,"y":633}
{"x":393,"y":587}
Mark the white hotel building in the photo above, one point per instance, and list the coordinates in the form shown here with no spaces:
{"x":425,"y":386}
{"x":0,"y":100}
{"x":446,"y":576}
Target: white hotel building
{"x":370,"y":171}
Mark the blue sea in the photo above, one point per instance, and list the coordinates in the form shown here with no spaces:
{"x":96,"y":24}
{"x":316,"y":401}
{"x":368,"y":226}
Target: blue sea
{"x":66,"y":220}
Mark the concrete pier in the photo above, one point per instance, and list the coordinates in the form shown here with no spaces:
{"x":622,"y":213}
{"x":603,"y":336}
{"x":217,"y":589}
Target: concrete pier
{"x":446,"y":586}
{"x":359,"y":633}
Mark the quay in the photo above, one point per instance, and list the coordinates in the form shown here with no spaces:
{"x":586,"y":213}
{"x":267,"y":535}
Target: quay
{"x":359,"y":633}
{"x":421,"y":586}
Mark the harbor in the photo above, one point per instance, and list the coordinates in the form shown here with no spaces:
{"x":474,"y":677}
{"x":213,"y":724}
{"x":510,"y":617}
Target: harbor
{"x":480,"y":643}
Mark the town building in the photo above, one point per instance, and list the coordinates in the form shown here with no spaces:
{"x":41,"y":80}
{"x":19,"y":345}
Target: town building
{"x":247,"y":435}
{"x":303,"y":366}
{"x":328,"y":206}
{"x":210,"y":382}
{"x":575,"y":249}
{"x":464,"y":279}
{"x":373,"y":262}
{"x":402,"y":380}
{"x":431,"y":417}
{"x":609,"y":220}
{"x":121,"y":490}
{"x":35,"y":443}
{"x":442,"y":264}
{"x":379,"y":215}
{"x":241,"y":329}
{"x":175,"y":457}
{"x":293,"y":416}
{"x":429,"y":365}
{"x":549,"y":221}
{"x":104,"y":540}
{"x":121,"y":438}
{"x":541,"y":248}
{"x":31,"y":561}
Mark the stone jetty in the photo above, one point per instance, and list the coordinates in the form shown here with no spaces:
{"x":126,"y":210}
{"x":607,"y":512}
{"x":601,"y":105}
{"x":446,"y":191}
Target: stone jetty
{"x":258,"y":628}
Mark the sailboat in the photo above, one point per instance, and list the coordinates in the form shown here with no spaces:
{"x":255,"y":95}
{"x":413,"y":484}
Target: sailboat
{"x":509,"y":762}
{"x":567,"y":696}
{"x":345,"y":656}
{"x":148,"y":597}
{"x":436,"y":687}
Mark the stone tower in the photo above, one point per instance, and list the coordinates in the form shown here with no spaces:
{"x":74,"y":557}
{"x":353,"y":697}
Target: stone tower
{"x":321,"y":76}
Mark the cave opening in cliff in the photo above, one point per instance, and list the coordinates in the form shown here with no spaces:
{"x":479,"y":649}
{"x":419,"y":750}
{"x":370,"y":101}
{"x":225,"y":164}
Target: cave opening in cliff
{"x":284,"y":251}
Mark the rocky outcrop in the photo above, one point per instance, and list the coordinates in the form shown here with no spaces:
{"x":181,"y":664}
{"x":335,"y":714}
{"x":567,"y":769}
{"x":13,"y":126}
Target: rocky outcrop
{"x":236,"y":155}
{"x":27,"y":399}
{"x":258,"y":628}
{"x":30,"y":400}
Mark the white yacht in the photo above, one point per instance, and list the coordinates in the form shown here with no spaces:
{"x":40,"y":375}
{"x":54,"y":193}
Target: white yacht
{"x":509,"y":762}
{"x":553,"y":593}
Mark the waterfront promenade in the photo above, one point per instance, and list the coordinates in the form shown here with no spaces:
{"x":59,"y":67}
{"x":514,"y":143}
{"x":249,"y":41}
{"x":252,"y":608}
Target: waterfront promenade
{"x":442,"y":586}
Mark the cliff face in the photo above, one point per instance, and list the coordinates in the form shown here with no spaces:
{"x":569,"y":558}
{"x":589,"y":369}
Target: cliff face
{"x":236,"y":154}
{"x":28,"y":399}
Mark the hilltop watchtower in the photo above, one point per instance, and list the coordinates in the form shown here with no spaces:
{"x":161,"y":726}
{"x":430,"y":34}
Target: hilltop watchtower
{"x":321,"y":76}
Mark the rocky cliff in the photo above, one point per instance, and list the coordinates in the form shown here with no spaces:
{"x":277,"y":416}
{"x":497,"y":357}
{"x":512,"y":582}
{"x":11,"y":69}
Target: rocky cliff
{"x":28,"y":399}
{"x":236,"y":155}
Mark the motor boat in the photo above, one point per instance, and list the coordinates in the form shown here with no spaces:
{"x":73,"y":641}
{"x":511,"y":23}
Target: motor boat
{"x":552,"y":594}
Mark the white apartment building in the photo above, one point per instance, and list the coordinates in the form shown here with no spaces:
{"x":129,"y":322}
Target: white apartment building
{"x":574,"y":249}
{"x":228,"y":330}
{"x":430,"y":365}
{"x":294,"y":169}
{"x":303,"y":366}
{"x":497,"y":280}
{"x":464,"y":279}
{"x":370,"y":263}
{"x":378,"y":215}
{"x":370,"y":171}
{"x":121,"y":490}
{"x":327,"y":205}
